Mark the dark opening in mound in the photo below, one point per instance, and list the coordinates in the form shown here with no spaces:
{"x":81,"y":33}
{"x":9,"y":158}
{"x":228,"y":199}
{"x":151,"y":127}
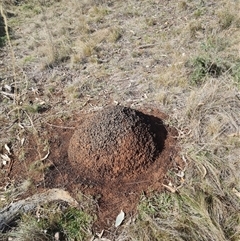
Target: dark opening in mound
{"x":118,"y":141}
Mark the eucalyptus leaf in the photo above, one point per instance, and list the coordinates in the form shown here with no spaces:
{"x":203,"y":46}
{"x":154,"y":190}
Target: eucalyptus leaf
{"x":119,"y":219}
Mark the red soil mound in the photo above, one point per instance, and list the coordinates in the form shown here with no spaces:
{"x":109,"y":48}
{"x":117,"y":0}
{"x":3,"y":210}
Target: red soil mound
{"x":117,"y":142}
{"x":114,"y":155}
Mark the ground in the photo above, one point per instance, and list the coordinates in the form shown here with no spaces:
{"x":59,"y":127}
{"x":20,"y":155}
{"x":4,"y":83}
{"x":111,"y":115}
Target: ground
{"x":62,"y":64}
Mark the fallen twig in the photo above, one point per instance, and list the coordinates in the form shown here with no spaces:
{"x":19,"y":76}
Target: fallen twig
{"x":11,"y":212}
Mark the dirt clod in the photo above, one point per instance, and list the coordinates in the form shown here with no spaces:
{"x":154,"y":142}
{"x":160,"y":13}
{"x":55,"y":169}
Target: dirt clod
{"x":118,"y":141}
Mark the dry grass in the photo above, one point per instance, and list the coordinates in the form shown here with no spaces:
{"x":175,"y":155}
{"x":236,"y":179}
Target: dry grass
{"x":206,"y":207}
{"x":181,"y":56}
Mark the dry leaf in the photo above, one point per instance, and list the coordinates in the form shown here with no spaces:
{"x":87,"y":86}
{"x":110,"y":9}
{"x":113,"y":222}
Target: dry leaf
{"x":46,"y":156}
{"x":169,"y":188}
{"x":119,"y":219}
{"x":7,"y":148}
{"x":57,"y":236}
{"x":20,"y":125}
{"x":22,"y":141}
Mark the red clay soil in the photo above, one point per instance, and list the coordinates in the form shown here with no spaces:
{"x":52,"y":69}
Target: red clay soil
{"x":117,"y":142}
{"x":114,"y":155}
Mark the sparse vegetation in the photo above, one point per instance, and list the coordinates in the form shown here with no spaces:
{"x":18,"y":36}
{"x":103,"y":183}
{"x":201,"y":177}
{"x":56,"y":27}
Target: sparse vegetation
{"x":181,"y":56}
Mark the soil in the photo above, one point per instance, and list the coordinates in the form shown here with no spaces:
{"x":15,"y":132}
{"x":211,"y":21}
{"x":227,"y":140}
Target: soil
{"x":115,"y":155}
{"x":117,"y":142}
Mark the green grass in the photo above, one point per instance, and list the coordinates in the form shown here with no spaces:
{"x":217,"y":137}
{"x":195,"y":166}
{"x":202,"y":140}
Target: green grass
{"x":69,"y":223}
{"x":213,"y":60}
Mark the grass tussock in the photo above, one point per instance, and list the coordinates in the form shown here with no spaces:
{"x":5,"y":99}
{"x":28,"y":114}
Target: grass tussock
{"x":52,"y":222}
